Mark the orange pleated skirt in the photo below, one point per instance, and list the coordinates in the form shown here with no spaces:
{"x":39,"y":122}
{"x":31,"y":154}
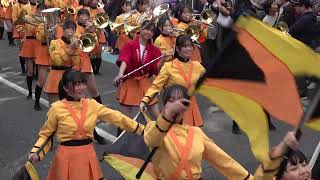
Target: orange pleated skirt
{"x":192,"y":116}
{"x":196,"y":55}
{"x":122,"y":40}
{"x":85,"y":63}
{"x":29,"y":48}
{"x":75,"y":163}
{"x":132,"y":90}
{"x":43,"y":56}
{"x":52,"y":82}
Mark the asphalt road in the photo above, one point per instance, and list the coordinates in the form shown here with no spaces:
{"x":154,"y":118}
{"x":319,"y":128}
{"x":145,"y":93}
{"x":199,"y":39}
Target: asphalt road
{"x":19,"y":124}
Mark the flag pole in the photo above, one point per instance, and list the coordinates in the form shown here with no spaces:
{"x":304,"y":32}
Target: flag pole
{"x":314,"y":156}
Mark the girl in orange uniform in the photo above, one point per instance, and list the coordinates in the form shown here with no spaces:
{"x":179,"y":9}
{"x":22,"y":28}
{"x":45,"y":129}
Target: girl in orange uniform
{"x":72,"y":120}
{"x":8,"y":22}
{"x":185,"y":19}
{"x":181,"y":148}
{"x":29,"y":54}
{"x":1,"y":21}
{"x":85,"y":26}
{"x":64,"y":55}
{"x":166,"y":41}
{"x":180,"y":71}
{"x":42,"y":60}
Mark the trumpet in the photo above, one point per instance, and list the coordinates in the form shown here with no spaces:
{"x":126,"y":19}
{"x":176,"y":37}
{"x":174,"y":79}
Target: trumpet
{"x":71,"y":10}
{"x":101,"y":20}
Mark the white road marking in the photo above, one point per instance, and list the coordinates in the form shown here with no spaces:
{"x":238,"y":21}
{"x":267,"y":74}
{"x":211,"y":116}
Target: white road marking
{"x":20,"y":89}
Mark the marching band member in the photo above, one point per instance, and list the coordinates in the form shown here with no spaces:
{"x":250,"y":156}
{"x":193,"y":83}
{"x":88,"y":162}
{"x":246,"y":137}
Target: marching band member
{"x":166,"y":41}
{"x":185,"y":19}
{"x":85,"y":26}
{"x":29,"y":54}
{"x":64,"y":55}
{"x":42,"y":59}
{"x":8,"y":22}
{"x":73,"y":119}
{"x":133,"y":55}
{"x":181,"y":148}
{"x":18,"y":29}
{"x":100,"y":37}
{"x":1,"y":21}
{"x":125,"y":16}
{"x":180,"y":71}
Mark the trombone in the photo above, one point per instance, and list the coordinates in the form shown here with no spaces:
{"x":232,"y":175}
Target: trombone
{"x":207,"y":16}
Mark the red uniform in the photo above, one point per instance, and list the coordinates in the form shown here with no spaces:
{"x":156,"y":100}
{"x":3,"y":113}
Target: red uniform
{"x":132,"y":89}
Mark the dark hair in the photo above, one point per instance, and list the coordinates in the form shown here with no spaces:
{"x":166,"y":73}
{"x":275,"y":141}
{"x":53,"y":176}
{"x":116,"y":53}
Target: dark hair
{"x":125,"y":2}
{"x":175,"y":89}
{"x":181,"y":9}
{"x":83,"y":11}
{"x":295,"y":157}
{"x":305,"y":3}
{"x":69,"y":78}
{"x":162,"y":21}
{"x":141,"y":2}
{"x":68,"y":24}
{"x":181,"y":41}
{"x":149,"y":25}
{"x":41,"y":6}
{"x":267,"y":6}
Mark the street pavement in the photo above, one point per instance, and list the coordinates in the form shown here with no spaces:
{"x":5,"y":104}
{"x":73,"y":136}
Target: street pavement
{"x":20,"y":124}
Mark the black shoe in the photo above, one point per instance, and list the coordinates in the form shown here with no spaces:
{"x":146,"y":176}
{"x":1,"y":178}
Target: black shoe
{"x":37,"y":107}
{"x":236,"y":129}
{"x":99,"y":138}
{"x":97,"y":73}
{"x":29,"y":96}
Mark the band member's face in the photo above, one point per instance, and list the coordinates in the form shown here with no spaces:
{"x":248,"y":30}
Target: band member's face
{"x":68,"y":33}
{"x":300,"y":171}
{"x":83,"y":19}
{"x":126,"y":7}
{"x":143,"y":7}
{"x":185,"y":51}
{"x":274,"y":7}
{"x":146,"y":34}
{"x":167,"y":28}
{"x":186,"y":15}
{"x":78,"y":90}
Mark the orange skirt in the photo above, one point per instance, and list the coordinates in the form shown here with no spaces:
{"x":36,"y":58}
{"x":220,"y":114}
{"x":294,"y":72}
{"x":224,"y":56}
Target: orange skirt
{"x":43,"y":56}
{"x":85,"y":63}
{"x":75,"y":163}
{"x":29,"y":48}
{"x":131,"y":91}
{"x":97,"y":50}
{"x":192,"y":116}
{"x":196,"y":55}
{"x":122,"y":40}
{"x":52,"y":82}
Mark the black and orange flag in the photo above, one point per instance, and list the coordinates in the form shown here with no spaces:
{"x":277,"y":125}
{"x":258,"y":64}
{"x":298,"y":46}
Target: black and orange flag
{"x":126,"y":155}
{"x":255,"y":72}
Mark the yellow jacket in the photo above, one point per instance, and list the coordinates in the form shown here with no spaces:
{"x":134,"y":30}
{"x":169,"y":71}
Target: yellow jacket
{"x":170,"y":74}
{"x":61,"y":122}
{"x":59,"y":56}
{"x":166,"y":158}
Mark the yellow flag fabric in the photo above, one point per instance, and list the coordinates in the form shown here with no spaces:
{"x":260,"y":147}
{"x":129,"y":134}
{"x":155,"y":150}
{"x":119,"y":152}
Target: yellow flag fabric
{"x":299,"y":58}
{"x":128,"y":167}
{"x":314,"y":124}
{"x":248,"y":114}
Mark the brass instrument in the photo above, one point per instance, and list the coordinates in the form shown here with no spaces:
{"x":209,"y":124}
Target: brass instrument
{"x":51,"y":21}
{"x":101,"y":20}
{"x":20,"y":20}
{"x":127,"y":15}
{"x":192,"y":30}
{"x":147,"y":15}
{"x":128,"y":29}
{"x":71,"y":10}
{"x":207,"y":16}
{"x":34,"y":20}
{"x":160,"y":10}
{"x":87,"y":42}
{"x":5,"y":3}
{"x":282,"y":26}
